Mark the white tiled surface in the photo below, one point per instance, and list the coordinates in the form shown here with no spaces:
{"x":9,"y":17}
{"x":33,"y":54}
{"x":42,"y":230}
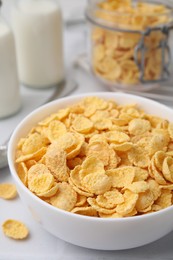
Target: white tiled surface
{"x":41,"y":245}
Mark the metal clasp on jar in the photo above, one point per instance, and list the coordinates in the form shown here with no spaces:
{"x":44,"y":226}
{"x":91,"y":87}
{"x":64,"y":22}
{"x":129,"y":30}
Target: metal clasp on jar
{"x":141,"y":49}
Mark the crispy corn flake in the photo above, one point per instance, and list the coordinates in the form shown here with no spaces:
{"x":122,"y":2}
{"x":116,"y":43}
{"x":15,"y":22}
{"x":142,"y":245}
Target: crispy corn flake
{"x":99,"y":150}
{"x":87,"y":211}
{"x":170,"y":130}
{"x":158,"y":159}
{"x":97,"y":138}
{"x":62,"y":113}
{"x":75,"y":177}
{"x":36,"y":170}
{"x":122,"y":147}
{"x":140,"y":174}
{"x":77,"y":149}
{"x":55,"y":130}
{"x":55,"y":158}
{"x":121,"y":177}
{"x":120,"y":121}
{"x":154,"y":188}
{"x":138,"y":186}
{"x":7,"y":191}
{"x":94,"y":205}
{"x":98,"y":115}
{"x":97,"y":183}
{"x":81,"y":200}
{"x":138,"y":157}
{"x":91,"y":165}
{"x":114,"y":160}
{"x":33,"y":143}
{"x":139,"y":126}
{"x":47,"y":120}
{"x":117,"y":137}
{"x":110,"y":199}
{"x":41,"y":183}
{"x":82,"y":124}
{"x":65,"y":198}
{"x":15,"y":229}
{"x":156,"y":174}
{"x":35,"y":156}
{"x":145,"y":200}
{"x":158,"y":142}
{"x":129,"y":203}
{"x":22,"y":172}
{"x":78,"y":190}
{"x":165,"y":199}
{"x":167,"y":169}
{"x":67,"y":142}
{"x":50,"y":192}
{"x":103,"y":124}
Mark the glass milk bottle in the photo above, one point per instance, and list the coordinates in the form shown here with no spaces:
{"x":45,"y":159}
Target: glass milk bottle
{"x":37,"y":26}
{"x":9,"y":84}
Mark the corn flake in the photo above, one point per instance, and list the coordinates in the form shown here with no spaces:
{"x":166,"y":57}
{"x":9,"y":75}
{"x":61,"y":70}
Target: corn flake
{"x":15,"y":229}
{"x":55,"y":158}
{"x":55,"y":130}
{"x":110,"y":199}
{"x":129,"y":203}
{"x":65,"y":198}
{"x":87,"y":211}
{"x":7,"y":191}
{"x":121,"y":177}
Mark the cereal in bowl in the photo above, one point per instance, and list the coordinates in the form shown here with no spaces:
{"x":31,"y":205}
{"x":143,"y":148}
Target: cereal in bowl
{"x":101,"y":159}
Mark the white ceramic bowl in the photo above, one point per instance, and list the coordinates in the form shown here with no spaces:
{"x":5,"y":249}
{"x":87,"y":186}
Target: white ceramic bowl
{"x":96,"y":233}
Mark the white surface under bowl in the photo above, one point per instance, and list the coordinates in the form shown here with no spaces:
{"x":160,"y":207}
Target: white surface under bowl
{"x":89,"y":232}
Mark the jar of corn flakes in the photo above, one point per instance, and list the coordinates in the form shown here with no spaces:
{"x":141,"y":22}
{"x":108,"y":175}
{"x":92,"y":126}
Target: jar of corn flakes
{"x":129,"y":42}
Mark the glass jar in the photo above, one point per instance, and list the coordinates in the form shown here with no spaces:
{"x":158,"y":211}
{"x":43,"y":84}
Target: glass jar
{"x":129,"y":42}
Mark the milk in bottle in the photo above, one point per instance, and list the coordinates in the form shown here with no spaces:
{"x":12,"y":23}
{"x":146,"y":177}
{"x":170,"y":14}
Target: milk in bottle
{"x":37,"y":26}
{"x":9,"y":84}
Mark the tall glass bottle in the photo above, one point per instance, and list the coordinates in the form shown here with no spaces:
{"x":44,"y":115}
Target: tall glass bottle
{"x":9,"y":83}
{"x":37,"y":26}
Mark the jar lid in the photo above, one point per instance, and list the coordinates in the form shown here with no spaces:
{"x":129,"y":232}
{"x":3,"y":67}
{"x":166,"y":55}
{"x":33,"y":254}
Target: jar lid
{"x":127,"y":15}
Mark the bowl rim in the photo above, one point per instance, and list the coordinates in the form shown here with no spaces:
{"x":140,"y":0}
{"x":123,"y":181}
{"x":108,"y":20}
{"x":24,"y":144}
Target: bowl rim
{"x":61,"y":211}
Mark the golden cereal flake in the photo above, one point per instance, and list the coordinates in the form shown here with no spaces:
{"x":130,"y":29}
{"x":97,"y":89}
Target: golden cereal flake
{"x":7,"y":191}
{"x":129,"y":203}
{"x":97,"y":183}
{"x":22,"y":172}
{"x":41,"y":183}
{"x":139,"y":126}
{"x":55,"y":158}
{"x":94,"y":205}
{"x":33,"y":143}
{"x":117,"y":137}
{"x":55,"y":130}
{"x":110,"y":199}
{"x":122,"y":176}
{"x":65,"y":198}
{"x":15,"y":229}
{"x":82,"y":124}
{"x":86,"y":211}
